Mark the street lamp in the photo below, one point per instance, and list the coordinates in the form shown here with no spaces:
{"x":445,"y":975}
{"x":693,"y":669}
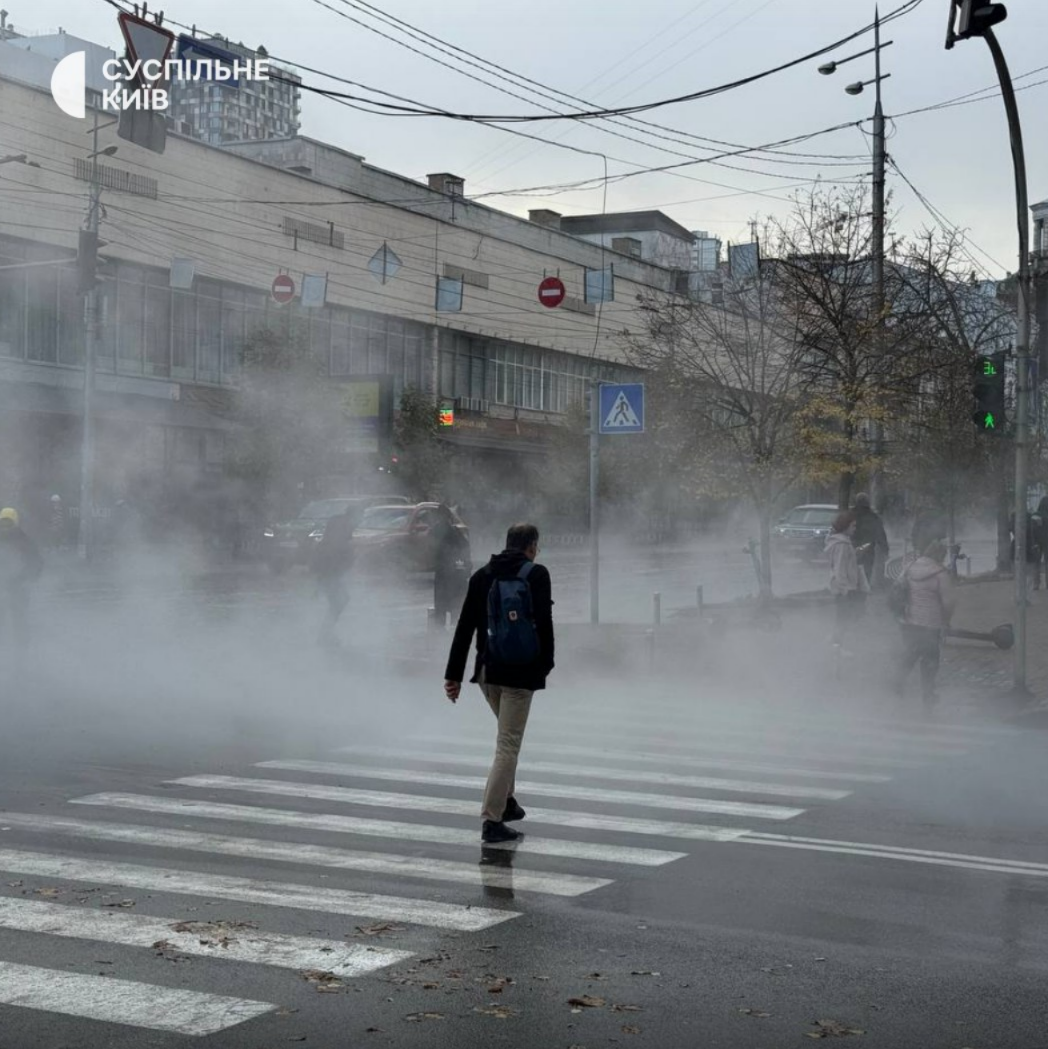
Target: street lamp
{"x":879,"y":157}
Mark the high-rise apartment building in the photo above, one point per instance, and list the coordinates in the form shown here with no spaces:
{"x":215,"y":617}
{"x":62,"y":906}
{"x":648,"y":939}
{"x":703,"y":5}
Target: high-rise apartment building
{"x":255,"y":110}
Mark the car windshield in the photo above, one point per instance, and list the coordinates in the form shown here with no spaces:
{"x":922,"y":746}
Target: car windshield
{"x":323,"y":509}
{"x":811,"y":515}
{"x":386,"y":518}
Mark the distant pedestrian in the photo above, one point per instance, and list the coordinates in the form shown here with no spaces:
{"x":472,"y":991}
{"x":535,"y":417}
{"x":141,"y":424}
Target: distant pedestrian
{"x":848,"y":582}
{"x":929,"y":607}
{"x":870,"y":538}
{"x":20,"y":566}
{"x":452,"y":566}
{"x":509,"y":607}
{"x":1033,"y":549}
{"x":331,"y":563}
{"x":1041,"y":516}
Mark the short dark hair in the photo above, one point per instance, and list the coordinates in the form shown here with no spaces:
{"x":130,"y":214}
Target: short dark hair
{"x":521,"y":536}
{"x":844,"y":521}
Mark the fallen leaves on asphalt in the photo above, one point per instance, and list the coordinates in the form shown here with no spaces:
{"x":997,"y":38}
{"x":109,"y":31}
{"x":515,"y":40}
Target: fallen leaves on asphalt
{"x":380,"y":928}
{"x":629,"y":1029}
{"x":586,"y":1001}
{"x":626,"y":1009}
{"x":125,"y":904}
{"x":501,"y":1012}
{"x":419,"y":1017}
{"x":831,"y":1029}
{"x":499,"y":984}
{"x":753,"y":1012}
{"x":643,"y":972}
{"x":324,"y":980}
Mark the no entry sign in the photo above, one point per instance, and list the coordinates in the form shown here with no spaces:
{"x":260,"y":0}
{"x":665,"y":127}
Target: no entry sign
{"x":283,"y":289}
{"x":552,"y":292}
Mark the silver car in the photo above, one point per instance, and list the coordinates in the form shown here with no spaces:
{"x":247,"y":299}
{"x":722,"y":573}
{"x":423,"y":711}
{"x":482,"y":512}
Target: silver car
{"x":804,"y":529}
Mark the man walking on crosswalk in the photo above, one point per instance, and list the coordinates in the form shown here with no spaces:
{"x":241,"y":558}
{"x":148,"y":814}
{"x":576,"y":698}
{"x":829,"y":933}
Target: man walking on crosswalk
{"x":510,"y":609}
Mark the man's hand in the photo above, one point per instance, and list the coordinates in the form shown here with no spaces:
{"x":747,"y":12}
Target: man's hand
{"x":452,"y":689}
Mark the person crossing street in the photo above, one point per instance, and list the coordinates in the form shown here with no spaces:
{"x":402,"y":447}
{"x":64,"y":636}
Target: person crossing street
{"x":509,"y":607}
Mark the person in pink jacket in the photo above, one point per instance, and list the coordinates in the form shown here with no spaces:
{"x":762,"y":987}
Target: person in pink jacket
{"x":929,"y":608}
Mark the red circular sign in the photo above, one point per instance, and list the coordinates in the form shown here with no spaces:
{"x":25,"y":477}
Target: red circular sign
{"x":283,"y":288}
{"x":552,"y":292}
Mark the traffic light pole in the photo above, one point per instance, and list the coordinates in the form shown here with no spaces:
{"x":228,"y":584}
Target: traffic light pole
{"x":1022,"y":358}
{"x":879,"y":156}
{"x":87,"y":448}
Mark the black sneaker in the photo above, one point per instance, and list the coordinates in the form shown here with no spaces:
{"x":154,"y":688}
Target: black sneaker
{"x":495,"y":832}
{"x":513,"y":811}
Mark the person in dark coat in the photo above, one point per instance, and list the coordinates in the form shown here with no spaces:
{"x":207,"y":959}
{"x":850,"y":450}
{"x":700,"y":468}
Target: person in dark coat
{"x":508,"y":689}
{"x":870,"y":537}
{"x":1041,"y":519}
{"x":1033,"y":549}
{"x":20,"y":566}
{"x":452,"y":569}
{"x":332,"y":561}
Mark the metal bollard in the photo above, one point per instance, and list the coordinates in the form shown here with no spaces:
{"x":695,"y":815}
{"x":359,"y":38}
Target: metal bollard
{"x":656,"y":602}
{"x":699,"y":598}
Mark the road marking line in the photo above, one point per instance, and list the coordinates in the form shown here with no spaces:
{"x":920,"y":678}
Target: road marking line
{"x":894,"y":852}
{"x":323,"y":821}
{"x":845,"y":744}
{"x":649,"y":757}
{"x":251,"y":890}
{"x":241,"y":945}
{"x":756,"y":747}
{"x":123,"y":1001}
{"x":459,"y":807}
{"x":681,"y":803}
{"x":311,"y":855}
{"x":664,"y":779}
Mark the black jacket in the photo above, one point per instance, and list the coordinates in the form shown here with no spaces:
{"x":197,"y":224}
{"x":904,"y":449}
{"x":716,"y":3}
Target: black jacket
{"x":474,"y":620}
{"x":20,"y":561}
{"x":869,"y":528}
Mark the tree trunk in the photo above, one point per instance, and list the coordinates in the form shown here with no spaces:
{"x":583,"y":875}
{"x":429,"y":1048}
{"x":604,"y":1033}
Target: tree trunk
{"x":844,"y":490}
{"x":765,"y":529}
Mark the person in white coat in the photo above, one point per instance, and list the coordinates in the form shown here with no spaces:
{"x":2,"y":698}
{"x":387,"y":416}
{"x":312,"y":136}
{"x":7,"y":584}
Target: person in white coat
{"x":848,"y":582}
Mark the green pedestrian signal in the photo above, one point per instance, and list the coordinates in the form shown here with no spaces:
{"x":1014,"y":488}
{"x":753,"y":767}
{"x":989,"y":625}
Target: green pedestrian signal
{"x":989,"y":394}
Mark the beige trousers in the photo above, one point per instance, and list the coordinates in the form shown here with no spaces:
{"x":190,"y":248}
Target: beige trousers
{"x":511,"y":706}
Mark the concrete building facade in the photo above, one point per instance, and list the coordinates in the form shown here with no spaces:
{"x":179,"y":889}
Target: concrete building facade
{"x":168,"y":358}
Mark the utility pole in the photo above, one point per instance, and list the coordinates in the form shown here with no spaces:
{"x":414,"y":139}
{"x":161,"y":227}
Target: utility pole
{"x":967,"y":19}
{"x":87,"y":447}
{"x":594,"y":502}
{"x":878,"y":188}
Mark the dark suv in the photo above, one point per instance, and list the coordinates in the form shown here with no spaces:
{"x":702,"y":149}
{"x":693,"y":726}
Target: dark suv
{"x":804,"y":529}
{"x":293,"y":542}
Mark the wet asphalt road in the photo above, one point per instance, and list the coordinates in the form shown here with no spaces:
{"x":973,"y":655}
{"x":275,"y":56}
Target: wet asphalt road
{"x":701,"y":865}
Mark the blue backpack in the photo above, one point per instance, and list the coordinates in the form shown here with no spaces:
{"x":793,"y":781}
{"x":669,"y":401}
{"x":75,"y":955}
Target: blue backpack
{"x":512,"y":637}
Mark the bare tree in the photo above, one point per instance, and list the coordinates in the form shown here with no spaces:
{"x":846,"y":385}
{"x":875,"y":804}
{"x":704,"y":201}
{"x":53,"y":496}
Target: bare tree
{"x":729,"y":372}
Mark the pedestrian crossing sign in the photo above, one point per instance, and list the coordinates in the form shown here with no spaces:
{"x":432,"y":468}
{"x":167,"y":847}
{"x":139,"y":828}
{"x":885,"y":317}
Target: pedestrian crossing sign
{"x":622,"y":407}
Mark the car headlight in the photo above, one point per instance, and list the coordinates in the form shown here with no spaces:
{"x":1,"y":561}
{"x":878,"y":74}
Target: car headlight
{"x":268,"y":533}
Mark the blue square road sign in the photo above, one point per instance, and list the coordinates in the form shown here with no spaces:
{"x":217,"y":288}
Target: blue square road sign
{"x":622,"y":407}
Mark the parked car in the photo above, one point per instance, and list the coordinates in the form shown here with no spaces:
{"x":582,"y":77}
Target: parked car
{"x":804,"y":529}
{"x":293,"y":542}
{"x":398,"y":536}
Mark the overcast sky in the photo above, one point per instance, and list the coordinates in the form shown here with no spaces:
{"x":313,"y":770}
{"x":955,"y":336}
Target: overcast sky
{"x":613,"y":52}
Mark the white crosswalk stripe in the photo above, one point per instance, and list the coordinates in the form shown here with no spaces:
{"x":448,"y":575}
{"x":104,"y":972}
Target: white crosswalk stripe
{"x":241,"y":945}
{"x":325,"y":821}
{"x":251,"y":890}
{"x":662,"y":779}
{"x":455,"y":806}
{"x":314,"y":855}
{"x":679,"y":803}
{"x":628,"y":757}
{"x":122,"y":1001}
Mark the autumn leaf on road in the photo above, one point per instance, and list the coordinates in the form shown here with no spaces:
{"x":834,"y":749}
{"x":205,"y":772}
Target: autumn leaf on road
{"x":832,"y":1029}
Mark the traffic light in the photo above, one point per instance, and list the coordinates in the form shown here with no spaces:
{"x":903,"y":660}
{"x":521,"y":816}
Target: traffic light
{"x":988,"y":391}
{"x":973,"y":18}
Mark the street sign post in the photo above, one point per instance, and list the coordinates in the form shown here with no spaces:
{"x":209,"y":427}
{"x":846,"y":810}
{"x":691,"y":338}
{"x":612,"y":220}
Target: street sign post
{"x":146,"y":42}
{"x":622,"y":407}
{"x":283,"y":289}
{"x":552,"y":292}
{"x":614,"y":408}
